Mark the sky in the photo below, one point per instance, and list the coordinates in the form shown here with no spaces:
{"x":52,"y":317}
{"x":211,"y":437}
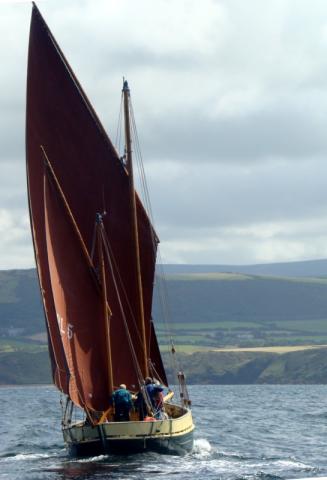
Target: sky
{"x":230,"y":101}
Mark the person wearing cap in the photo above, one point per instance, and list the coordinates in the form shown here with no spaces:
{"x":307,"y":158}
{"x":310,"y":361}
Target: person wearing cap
{"x":122,"y":400}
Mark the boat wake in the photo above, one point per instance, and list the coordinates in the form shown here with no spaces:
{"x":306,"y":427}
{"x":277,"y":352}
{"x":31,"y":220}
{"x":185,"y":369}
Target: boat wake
{"x":23,"y":457}
{"x":97,"y":458}
{"x":201,"y":448}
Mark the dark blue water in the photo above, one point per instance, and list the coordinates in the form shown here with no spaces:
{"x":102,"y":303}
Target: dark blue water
{"x":243,"y":432}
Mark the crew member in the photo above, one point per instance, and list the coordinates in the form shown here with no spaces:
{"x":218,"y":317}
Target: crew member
{"x":155,"y":394}
{"x":122,"y":400}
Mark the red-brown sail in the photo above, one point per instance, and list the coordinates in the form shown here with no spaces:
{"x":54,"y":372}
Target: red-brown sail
{"x":78,"y":309}
{"x":93,"y":179}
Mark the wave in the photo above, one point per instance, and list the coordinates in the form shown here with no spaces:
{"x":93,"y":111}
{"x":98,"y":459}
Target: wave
{"x":313,"y":415}
{"x":293,"y":463}
{"x":97,"y":458}
{"x":236,"y":456}
{"x":22,"y":457}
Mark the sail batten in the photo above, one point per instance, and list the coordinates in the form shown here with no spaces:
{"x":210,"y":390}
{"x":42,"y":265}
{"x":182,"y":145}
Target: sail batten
{"x":84,"y":176}
{"x":68,"y":210}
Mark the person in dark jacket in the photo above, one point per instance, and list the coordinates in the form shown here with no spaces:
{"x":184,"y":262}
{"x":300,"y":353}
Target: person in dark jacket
{"x":122,"y":400}
{"x":155,"y":394}
{"x":140,"y":405}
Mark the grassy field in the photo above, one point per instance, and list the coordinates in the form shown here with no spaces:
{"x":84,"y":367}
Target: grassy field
{"x":218,"y":325}
{"x":216,"y":276}
{"x":189,"y":349}
{"x":247,"y":334}
{"x":8,"y":345}
{"x":278,"y":349}
{"x":318,"y":326}
{"x":182,"y":348}
{"x":228,"y":276}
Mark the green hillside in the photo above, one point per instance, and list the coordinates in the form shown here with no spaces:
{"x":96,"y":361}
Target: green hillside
{"x":21,"y":311}
{"x":306,"y":268}
{"x":227,"y":296}
{"x":221,"y":309}
{"x":25,"y":367}
{"x":209,"y":310}
{"x":302,"y":367}
{"x":224,"y":368}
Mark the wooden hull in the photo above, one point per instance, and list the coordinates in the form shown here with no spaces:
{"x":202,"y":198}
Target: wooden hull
{"x":172,"y":436}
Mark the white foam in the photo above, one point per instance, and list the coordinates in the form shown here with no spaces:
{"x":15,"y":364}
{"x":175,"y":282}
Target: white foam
{"x":202,"y":447}
{"x":98,"y":458}
{"x":311,"y":478}
{"x":290,"y":463}
{"x":25,"y":456}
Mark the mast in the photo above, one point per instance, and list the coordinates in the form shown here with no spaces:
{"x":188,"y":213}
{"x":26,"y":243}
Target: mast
{"x":106,"y":310}
{"x":136,"y":246}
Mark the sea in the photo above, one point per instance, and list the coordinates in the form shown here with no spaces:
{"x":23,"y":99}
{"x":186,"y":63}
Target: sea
{"x":242,"y":432}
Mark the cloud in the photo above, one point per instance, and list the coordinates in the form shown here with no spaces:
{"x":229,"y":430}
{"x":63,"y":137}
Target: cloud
{"x":292,"y":133}
{"x":231,"y":109}
{"x":236,"y":195}
{"x":15,"y":243}
{"x":263,"y":243}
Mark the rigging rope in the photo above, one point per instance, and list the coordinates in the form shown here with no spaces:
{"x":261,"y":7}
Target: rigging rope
{"x":111,"y":258}
{"x":131,"y":345}
{"x":162,"y":291}
{"x":140,"y":378}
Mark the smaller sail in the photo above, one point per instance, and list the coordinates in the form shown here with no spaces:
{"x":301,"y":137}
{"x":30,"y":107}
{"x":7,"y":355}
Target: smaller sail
{"x":77,"y":301}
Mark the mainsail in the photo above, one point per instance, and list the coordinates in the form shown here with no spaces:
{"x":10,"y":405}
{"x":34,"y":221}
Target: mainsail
{"x":75,"y":177}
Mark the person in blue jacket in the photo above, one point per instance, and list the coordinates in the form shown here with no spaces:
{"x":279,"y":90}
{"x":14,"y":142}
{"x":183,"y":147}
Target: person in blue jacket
{"x":155,"y":394}
{"x":122,"y":400}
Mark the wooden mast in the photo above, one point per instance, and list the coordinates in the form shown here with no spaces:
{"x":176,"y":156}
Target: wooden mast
{"x":129,"y":165}
{"x":106,"y":311}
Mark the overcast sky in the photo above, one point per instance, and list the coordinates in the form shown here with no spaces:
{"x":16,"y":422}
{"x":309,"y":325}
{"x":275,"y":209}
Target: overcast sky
{"x":230,"y":100}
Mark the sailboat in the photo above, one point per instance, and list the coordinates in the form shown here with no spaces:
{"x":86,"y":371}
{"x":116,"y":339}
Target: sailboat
{"x":95,"y":251}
